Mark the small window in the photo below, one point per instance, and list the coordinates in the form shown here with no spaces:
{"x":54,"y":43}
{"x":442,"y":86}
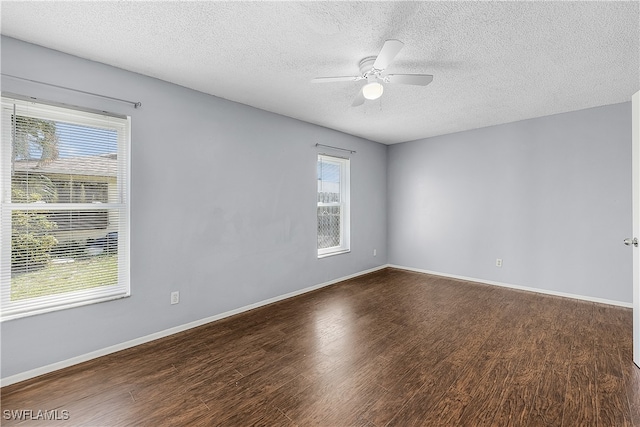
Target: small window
{"x":64,"y":211}
{"x":333,"y":205}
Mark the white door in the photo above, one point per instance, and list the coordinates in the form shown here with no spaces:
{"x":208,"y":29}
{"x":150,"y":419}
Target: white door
{"x":635,"y":154}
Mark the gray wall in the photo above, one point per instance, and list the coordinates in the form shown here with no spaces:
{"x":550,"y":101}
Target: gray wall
{"x":550,"y":196}
{"x":222,"y":207}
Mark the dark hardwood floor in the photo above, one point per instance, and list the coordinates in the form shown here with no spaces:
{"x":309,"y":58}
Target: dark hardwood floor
{"x":390,"y":348}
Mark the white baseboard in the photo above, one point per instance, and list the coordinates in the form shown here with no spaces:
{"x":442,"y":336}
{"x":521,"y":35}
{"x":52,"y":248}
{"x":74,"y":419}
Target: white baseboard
{"x":161,"y":334}
{"x":521,"y":288}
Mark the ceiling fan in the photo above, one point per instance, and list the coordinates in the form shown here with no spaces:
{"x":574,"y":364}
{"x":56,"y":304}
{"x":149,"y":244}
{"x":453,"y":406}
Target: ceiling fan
{"x":372,"y":70}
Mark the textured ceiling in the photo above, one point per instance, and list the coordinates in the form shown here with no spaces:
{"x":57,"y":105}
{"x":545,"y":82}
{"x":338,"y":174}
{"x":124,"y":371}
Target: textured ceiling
{"x":493,"y":62}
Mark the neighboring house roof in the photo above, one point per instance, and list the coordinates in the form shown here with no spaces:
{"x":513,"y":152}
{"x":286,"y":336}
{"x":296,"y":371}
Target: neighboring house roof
{"x":101,"y":165}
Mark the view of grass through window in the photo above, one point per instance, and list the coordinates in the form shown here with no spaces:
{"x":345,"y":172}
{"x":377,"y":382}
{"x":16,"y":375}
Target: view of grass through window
{"x":76,"y":274}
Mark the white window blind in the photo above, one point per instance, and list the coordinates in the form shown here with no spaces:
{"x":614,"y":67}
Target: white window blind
{"x":64,"y":211}
{"x":333,"y":205}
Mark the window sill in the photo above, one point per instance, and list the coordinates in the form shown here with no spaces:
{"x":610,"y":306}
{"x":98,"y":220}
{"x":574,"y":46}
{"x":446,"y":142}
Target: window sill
{"x":344,"y":251}
{"x":50,"y":309}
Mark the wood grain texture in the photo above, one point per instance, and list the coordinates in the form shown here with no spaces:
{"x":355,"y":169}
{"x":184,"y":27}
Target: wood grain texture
{"x":391,"y":348}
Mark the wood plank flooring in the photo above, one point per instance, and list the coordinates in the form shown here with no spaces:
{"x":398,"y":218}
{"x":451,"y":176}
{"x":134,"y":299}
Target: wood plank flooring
{"x":391,"y":348}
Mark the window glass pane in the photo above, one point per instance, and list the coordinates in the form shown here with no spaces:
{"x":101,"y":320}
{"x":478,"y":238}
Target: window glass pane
{"x":328,"y":182}
{"x":49,"y":255}
{"x":57,"y":162}
{"x":328,"y":226}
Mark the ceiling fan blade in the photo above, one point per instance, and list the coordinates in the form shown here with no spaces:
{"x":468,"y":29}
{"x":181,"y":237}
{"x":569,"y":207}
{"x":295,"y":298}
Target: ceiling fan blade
{"x":409,"y":79}
{"x":359,"y":99}
{"x":387,"y":53}
{"x":336,"y":79}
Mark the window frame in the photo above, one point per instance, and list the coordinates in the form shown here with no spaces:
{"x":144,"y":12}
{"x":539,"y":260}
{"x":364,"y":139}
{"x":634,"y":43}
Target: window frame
{"x":85,"y":117}
{"x":344,"y":204}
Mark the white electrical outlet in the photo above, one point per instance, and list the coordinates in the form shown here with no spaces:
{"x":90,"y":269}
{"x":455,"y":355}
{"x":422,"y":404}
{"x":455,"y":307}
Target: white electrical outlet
{"x":375,"y":252}
{"x":498,"y":262}
{"x":175,"y":297}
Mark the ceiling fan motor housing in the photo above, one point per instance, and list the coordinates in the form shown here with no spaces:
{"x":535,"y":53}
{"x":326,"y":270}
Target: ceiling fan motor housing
{"x":366,"y":66}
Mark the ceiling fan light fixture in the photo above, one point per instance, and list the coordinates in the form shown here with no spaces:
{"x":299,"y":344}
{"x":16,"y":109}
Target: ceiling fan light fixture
{"x":372,"y":90}
{"x":372,"y":69}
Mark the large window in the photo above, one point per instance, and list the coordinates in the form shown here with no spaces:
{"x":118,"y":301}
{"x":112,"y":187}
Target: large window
{"x":64,"y":210}
{"x":333,"y":205}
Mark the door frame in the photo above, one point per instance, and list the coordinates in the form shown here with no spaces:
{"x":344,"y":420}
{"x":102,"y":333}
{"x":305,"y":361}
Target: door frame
{"x":635,"y":156}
